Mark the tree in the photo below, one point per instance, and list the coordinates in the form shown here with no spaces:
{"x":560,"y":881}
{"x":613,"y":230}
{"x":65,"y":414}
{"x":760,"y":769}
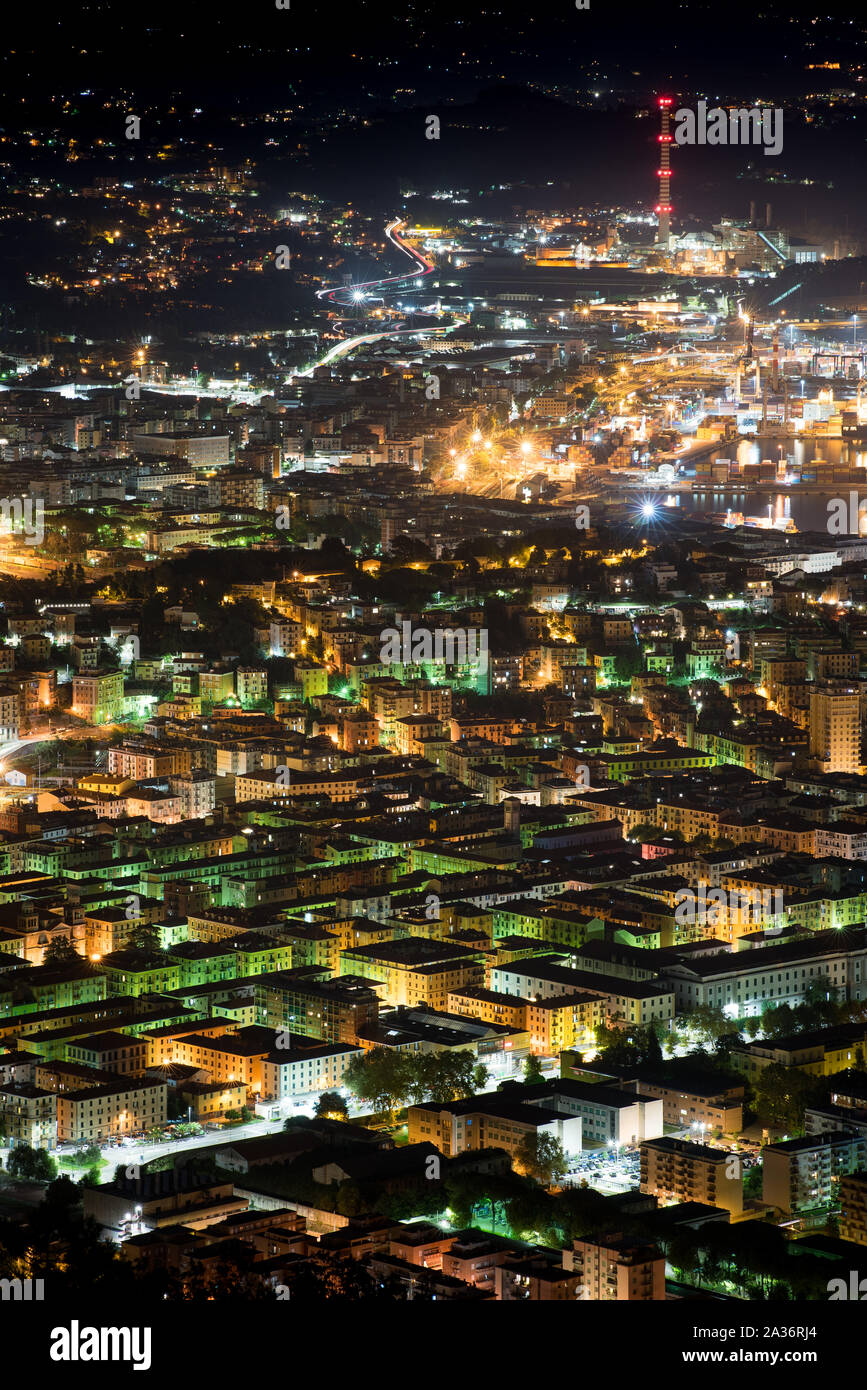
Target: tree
{"x":144,"y":936}
{"x":778,"y":1021}
{"x":528,"y":1212}
{"x":460,"y":1196}
{"x":709,"y":1023}
{"x":753,"y":1181}
{"x":382,"y":1076}
{"x":89,"y":1157}
{"x":448,"y":1075}
{"x":332,"y":1106}
{"x":60,"y":952}
{"x":819,"y":990}
{"x":644,"y":831}
{"x":349,"y":1201}
{"x":783,"y":1094}
{"x":653,"y":1048}
{"x":31,"y":1165}
{"x":407,"y":548}
{"x":541,"y":1156}
{"x":622,"y":1046}
{"x":683,"y":1256}
{"x":481,"y":1074}
{"x":703,"y":841}
{"x":62,"y":1193}
{"x":628,"y":663}
{"x":533,"y":1073}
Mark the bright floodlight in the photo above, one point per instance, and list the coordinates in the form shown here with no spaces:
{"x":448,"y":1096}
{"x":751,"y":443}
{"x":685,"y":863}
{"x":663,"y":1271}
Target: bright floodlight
{"x":648,"y":510}
{"x":357,"y":294}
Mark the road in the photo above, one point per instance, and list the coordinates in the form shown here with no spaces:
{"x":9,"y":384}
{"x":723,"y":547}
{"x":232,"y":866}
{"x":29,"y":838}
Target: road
{"x":139,"y":1153}
{"x":354,"y":294}
{"x":347,"y":345}
{"x":338,"y":295}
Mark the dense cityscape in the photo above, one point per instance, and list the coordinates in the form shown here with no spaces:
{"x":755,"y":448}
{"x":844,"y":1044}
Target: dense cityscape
{"x":433,"y":667}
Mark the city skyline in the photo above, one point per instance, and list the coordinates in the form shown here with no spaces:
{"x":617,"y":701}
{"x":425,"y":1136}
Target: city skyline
{"x":433,"y":672}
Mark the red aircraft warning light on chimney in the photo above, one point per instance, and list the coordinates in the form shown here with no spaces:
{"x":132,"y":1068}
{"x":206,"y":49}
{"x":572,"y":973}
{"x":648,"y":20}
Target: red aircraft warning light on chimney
{"x":663,"y":173}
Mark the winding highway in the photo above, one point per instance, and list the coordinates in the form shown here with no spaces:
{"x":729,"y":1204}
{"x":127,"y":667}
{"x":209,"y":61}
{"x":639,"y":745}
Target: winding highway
{"x":353,"y":294}
{"x":345,"y":295}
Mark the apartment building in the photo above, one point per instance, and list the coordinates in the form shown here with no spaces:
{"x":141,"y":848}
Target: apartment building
{"x":411,"y":731}
{"x":263,"y":785}
{"x":841,"y":840}
{"x":233,"y":488}
{"x":216,"y":686}
{"x":112,"y":1110}
{"x":474,"y":1256}
{"x":232,"y":1057}
{"x":853,"y":1208}
{"x":211,"y":1100}
{"x":835,"y":728}
{"x":675,"y":1170}
{"x":716,"y":1110}
{"x":197,"y":449}
{"x":138,"y":972}
{"x":554,"y":1025}
{"x":798,"y":1174}
{"x":824,"y":1052}
{"x":831,"y":665}
{"x":10,"y":714}
{"x":304,"y":1001}
{"x":742,"y":982}
{"x":566,"y":1021}
{"x":490,"y":1122}
{"x":626,"y":1001}
{"x":285,"y":637}
{"x":609,"y":1116}
{"x":302,"y":1068}
{"x":420,"y":1243}
{"x":98,"y":696}
{"x":28,"y":1115}
{"x":251,"y":684}
{"x":488,"y":1005}
{"x":415,"y":970}
{"x":116,"y":1052}
{"x":140,"y":762}
{"x":358,"y":731}
{"x":198,"y":793}
{"x":535,"y":1280}
{"x":617,"y":1269}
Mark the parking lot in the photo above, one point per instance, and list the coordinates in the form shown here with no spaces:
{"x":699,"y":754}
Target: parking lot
{"x":606,"y":1169}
